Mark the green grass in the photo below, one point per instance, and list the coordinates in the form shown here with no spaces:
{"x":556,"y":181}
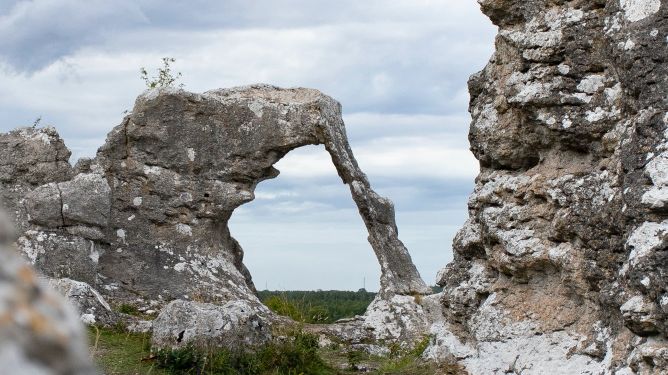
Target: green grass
{"x":122,"y":353}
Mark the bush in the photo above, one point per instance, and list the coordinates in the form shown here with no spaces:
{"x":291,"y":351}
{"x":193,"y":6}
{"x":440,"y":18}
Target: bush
{"x":295,"y":354}
{"x":165,"y":77}
{"x":129,"y":309}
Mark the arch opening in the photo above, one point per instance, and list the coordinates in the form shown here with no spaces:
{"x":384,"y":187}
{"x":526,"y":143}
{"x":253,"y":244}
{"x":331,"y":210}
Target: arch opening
{"x":303,"y":232}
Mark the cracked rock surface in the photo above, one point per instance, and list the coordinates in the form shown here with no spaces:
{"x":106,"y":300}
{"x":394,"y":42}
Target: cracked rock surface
{"x":561,"y":266}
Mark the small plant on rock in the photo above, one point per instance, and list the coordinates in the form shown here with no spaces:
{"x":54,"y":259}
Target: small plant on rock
{"x":129,"y":309}
{"x":165,"y":76}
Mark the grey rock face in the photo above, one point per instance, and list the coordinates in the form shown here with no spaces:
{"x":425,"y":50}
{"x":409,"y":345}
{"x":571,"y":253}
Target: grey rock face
{"x":235,"y":325}
{"x":84,"y":200}
{"x":92,"y":307}
{"x":39,"y":332}
{"x":561,"y":265}
{"x":29,"y":158}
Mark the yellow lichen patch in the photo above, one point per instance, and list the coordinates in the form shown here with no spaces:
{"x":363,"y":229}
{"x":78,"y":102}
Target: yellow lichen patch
{"x":26,"y":275}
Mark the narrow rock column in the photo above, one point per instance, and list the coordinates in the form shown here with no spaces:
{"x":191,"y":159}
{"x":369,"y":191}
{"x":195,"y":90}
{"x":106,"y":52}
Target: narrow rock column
{"x":398,"y":273}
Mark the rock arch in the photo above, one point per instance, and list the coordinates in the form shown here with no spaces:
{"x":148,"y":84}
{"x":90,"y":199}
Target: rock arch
{"x":154,"y":204}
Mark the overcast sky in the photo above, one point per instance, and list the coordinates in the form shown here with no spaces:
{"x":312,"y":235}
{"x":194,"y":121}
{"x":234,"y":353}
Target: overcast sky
{"x":398,"y":67}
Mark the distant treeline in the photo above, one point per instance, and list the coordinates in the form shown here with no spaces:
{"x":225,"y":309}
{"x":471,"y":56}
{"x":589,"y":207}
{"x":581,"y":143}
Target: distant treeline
{"x":322,"y":306}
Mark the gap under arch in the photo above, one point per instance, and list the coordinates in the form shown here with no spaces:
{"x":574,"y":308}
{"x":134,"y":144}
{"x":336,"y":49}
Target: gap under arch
{"x":303,"y":232}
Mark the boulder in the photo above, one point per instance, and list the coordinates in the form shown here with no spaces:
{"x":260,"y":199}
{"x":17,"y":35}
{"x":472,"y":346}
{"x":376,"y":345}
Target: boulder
{"x":235,"y":326}
{"x":92,"y":308}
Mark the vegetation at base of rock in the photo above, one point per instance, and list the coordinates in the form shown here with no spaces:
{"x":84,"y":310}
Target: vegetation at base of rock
{"x":401,"y":360}
{"x":122,"y":353}
{"x":126,"y":308}
{"x":296,"y":352}
{"x":322,"y":306}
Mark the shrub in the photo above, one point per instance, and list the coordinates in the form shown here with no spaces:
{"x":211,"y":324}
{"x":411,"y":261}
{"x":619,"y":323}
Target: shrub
{"x":165,"y":77}
{"x":129,"y":309}
{"x":295,"y":354}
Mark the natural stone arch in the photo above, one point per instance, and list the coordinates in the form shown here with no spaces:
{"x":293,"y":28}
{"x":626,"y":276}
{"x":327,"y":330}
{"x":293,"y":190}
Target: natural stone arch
{"x":180,"y":164}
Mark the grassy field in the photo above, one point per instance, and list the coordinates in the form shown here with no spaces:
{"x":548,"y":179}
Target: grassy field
{"x":317,"y":307}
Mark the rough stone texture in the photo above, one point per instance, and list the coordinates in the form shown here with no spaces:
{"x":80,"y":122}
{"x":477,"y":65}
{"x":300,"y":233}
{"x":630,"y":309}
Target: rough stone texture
{"x":92,"y":307}
{"x":39,"y":332}
{"x":561,"y":267}
{"x":236,"y":325}
{"x":29,"y":158}
{"x":145,"y":222}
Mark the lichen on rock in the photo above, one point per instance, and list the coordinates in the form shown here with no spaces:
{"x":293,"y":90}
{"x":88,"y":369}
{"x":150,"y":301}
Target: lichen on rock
{"x":559,"y":268}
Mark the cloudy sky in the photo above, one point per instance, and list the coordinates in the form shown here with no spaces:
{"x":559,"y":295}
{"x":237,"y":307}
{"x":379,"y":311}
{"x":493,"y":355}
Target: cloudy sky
{"x":398,"y":67}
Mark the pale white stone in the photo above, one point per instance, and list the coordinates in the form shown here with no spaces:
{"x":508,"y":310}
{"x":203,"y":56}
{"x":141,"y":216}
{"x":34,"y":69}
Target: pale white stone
{"x":184,"y":229}
{"x":657,"y":169}
{"x":256,"y":107}
{"x":88,"y":319}
{"x":635,"y":304}
{"x":628,"y":45}
{"x":155,"y":170}
{"x":656,"y":197}
{"x":566,"y":122}
{"x":636,"y":10}
{"x":120,"y":233}
{"x":645,"y":239}
{"x":137,"y":201}
{"x":592,"y":83}
{"x":613,"y":93}
{"x":180,"y":267}
{"x":487,"y":119}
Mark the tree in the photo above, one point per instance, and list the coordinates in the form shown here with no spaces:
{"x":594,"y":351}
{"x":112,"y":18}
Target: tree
{"x":165,"y":77}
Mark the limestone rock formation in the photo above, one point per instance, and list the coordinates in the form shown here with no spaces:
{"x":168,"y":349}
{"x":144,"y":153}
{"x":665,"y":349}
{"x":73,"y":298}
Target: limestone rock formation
{"x":145,"y":221}
{"x":39,"y":332}
{"x":561,"y":267}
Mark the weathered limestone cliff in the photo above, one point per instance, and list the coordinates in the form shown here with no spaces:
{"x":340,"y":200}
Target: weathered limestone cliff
{"x":561,"y":267}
